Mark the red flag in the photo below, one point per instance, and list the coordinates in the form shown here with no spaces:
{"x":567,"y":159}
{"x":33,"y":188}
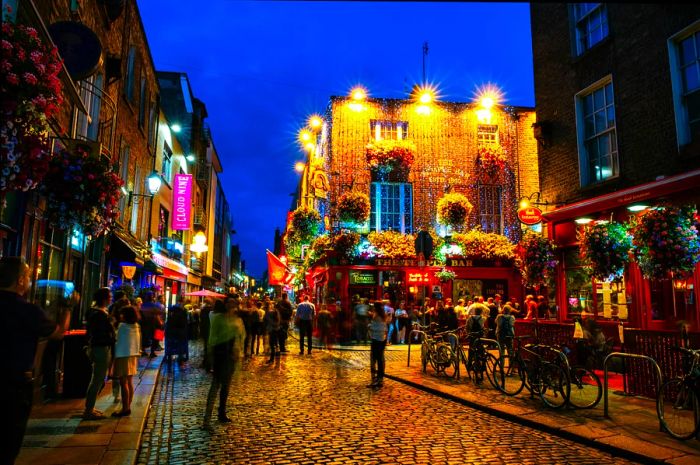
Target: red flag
{"x":276,"y":269}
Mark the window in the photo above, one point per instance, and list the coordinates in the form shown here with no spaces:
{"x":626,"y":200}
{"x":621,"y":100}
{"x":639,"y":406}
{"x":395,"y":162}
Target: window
{"x":163,"y":222}
{"x":597,"y":137}
{"x":490,"y":216}
{"x":142,"y":103}
{"x":124,"y":174}
{"x":129,"y":81}
{"x":591,"y":25}
{"x":487,"y":134}
{"x":135,"y":208}
{"x":391,"y":130}
{"x":152,"y":111}
{"x":167,"y":164}
{"x":392,"y":207}
{"x":91,"y":94}
{"x":685,"y":74}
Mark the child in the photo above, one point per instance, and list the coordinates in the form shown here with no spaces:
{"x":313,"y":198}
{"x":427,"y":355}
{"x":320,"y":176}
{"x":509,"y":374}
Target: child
{"x":126,"y":354}
{"x":378,"y":330}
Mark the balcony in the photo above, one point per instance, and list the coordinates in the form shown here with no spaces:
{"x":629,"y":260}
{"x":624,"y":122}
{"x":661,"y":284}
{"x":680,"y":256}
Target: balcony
{"x":203,"y":172}
{"x":200,"y":217}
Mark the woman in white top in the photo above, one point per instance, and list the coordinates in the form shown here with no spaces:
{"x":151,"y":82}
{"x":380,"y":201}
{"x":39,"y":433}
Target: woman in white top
{"x":126,"y":354}
{"x":378,"y":329}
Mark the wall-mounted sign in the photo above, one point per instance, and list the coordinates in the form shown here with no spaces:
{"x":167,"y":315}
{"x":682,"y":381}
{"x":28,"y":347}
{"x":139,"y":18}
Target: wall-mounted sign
{"x":182,"y":202}
{"x":320,"y":184}
{"x":363,"y":277}
{"x":530,"y":215}
{"x":419,"y":278}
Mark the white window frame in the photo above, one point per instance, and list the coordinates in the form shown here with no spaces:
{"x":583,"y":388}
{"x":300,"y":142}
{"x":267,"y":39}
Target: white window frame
{"x":582,"y":21}
{"x":388,"y":130}
{"x":585,"y":177}
{"x":405,"y":213}
{"x":680,"y":111}
{"x":487,"y":134}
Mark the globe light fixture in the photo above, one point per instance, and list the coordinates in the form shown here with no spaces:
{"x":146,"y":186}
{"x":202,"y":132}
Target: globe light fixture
{"x":315,"y":122}
{"x":154,"y":181}
{"x":305,"y":136}
{"x":176,"y":128}
{"x":190,"y":157}
{"x":358,"y":94}
{"x":199,"y":243}
{"x":299,"y":167}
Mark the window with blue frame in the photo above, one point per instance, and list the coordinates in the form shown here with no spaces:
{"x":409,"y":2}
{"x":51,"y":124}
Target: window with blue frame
{"x":689,"y":64}
{"x":129,"y":81}
{"x":490,"y":208}
{"x":392,"y":207}
{"x":590,"y":25}
{"x":597,"y":135}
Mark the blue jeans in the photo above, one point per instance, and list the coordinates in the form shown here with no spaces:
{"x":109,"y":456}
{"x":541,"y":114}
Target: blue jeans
{"x":377,"y":358}
{"x":100,"y":357}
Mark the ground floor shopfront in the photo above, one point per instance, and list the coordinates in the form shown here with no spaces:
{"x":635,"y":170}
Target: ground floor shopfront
{"x":408,"y":283}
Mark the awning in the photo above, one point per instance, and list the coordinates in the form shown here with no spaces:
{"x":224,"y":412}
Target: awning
{"x":640,"y":193}
{"x":123,"y":248}
{"x":152,"y":267}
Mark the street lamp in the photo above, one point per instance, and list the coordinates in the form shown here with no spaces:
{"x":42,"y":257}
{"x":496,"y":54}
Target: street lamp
{"x":199,"y":243}
{"x":153,"y":182}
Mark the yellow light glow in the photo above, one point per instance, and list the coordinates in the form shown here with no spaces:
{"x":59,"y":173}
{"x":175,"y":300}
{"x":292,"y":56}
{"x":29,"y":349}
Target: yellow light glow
{"x":356,"y":106}
{"x":305,"y":135}
{"x":426,"y":97}
{"x":483,"y":115}
{"x":310,"y":146}
{"x":489,"y":96}
{"x":524,"y":203}
{"x":358,"y":93}
{"x":315,"y":122}
{"x":423,"y":109}
{"x":299,"y":167}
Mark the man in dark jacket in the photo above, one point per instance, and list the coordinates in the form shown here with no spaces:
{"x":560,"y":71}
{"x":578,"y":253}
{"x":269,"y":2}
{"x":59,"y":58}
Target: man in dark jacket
{"x":285,"y":310}
{"x":23,"y":324}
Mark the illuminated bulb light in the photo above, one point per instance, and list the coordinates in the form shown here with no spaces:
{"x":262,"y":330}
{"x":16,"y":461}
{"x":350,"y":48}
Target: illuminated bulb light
{"x":299,"y":167}
{"x":583,"y":220}
{"x":524,"y":203}
{"x":637,"y":208}
{"x":176,"y":128}
{"x":356,"y":106}
{"x":426,"y":97}
{"x":358,"y":93}
{"x":487,"y":103}
{"x":489,"y":96}
{"x":304,"y":135}
{"x":315,"y":122}
{"x":310,"y":146}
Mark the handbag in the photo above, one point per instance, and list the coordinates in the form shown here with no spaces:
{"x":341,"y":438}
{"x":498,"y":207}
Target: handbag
{"x":158,"y":334}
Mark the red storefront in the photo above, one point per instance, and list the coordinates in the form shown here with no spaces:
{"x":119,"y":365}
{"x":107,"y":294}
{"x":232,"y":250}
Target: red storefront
{"x":173,"y":279}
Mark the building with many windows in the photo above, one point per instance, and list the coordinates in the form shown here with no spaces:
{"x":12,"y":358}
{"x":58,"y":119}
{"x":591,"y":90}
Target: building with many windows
{"x":405,"y":155}
{"x":618,"y":116}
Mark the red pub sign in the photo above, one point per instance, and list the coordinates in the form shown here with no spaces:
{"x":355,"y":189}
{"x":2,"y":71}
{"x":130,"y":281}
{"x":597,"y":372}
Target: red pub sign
{"x":530,"y":215}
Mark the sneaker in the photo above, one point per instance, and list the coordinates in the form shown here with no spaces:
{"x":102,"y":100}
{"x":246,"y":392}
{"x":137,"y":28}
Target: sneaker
{"x":94,"y":415}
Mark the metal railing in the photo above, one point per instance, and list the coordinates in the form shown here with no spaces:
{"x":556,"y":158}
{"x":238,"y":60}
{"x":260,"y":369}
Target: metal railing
{"x":657,"y":371}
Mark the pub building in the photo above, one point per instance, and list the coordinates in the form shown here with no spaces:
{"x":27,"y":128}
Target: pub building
{"x":483,"y":150}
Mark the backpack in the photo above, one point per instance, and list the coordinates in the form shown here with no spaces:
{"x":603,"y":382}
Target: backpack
{"x":506,"y":329}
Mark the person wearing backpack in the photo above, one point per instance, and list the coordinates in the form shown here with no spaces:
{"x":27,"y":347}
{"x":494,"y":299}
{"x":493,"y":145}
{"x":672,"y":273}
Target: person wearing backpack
{"x":505,"y":329}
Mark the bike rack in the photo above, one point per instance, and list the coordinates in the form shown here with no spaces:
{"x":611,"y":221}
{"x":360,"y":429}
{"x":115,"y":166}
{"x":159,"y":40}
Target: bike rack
{"x":657,"y":369}
{"x":495,"y":343}
{"x":410,"y":337}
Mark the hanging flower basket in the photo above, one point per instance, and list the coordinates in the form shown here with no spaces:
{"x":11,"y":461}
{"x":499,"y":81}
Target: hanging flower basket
{"x":666,"y":240}
{"x":538,"y":261}
{"x":485,"y":246}
{"x":605,"y":250}
{"x":30,"y":94}
{"x":81,"y":190}
{"x":445,"y":275}
{"x":353,"y":207}
{"x":392,"y":244}
{"x":453,"y":210}
{"x":345,"y":244}
{"x":390,"y":160}
{"x":305,"y":222}
{"x":491,"y":162}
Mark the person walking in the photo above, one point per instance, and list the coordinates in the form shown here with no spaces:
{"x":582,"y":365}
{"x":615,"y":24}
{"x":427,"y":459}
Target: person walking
{"x":226,"y":333}
{"x":126,"y":354}
{"x":324,"y":321}
{"x":361,"y":319}
{"x":23,"y":323}
{"x":101,"y":338}
{"x":204,"y":312}
{"x":259,"y":327}
{"x":272,"y":323}
{"x":402,"y":321}
{"x":176,"y":334}
{"x":389,"y":312}
{"x":378,"y":330}
{"x":491,"y":320}
{"x":304,"y":321}
{"x":286,"y":310}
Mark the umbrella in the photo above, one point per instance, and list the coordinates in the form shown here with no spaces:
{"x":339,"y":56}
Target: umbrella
{"x":205,"y":293}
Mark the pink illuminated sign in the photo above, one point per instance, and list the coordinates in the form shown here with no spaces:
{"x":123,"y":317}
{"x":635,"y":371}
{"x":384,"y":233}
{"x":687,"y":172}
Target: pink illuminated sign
{"x":182,"y":202}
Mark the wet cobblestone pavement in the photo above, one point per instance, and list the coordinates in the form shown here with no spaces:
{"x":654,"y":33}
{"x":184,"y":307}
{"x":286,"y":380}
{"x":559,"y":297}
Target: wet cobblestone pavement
{"x":315,"y":409}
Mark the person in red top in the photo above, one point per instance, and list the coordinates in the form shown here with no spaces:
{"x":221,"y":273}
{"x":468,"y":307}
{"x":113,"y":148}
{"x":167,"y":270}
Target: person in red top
{"x":531,"y":306}
{"x":23,"y":323}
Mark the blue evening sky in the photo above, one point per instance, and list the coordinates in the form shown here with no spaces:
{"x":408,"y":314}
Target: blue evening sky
{"x":263,"y":67}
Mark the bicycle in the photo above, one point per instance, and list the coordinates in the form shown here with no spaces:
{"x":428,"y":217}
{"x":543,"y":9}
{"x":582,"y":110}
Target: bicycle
{"x":586,"y":387}
{"x":436,"y":352}
{"x":479,"y":360}
{"x":540,"y":376}
{"x":677,"y":400}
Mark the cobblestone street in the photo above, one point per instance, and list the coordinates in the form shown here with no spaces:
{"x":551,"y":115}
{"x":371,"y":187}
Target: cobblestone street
{"x":316,"y":409}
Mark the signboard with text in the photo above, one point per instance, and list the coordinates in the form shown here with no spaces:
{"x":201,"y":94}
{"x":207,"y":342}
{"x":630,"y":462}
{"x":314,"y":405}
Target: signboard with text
{"x":182,"y":202}
{"x":363,"y":277}
{"x":530,"y":215}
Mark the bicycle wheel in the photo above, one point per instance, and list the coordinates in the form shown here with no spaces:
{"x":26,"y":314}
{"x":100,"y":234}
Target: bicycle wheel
{"x":509,"y":376}
{"x":586,"y":388}
{"x":677,"y":408}
{"x":555,"y":387}
{"x":491,"y":369}
{"x":445,"y":360}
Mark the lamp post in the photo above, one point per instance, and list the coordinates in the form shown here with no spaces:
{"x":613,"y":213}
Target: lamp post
{"x":153,"y":183}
